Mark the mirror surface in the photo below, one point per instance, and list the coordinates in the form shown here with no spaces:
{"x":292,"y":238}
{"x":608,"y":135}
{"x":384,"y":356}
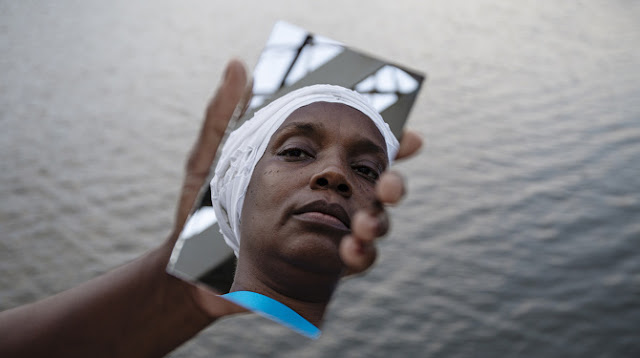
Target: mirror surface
{"x":292,"y":58}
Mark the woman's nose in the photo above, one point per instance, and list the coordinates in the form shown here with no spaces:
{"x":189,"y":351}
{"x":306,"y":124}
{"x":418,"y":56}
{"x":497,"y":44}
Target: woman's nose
{"x":332,"y":177}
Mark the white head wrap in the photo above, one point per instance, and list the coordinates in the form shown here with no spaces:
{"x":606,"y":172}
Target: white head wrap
{"x":246,"y":145}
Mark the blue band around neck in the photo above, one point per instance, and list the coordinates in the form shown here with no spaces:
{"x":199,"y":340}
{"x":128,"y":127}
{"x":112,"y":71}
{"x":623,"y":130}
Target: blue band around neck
{"x":274,"y":310}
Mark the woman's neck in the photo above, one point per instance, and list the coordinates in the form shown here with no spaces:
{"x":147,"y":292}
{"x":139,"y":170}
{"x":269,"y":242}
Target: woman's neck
{"x":307,"y":293}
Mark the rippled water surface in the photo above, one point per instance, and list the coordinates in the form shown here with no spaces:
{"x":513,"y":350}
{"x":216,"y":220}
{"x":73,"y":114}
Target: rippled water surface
{"x":521,"y":233}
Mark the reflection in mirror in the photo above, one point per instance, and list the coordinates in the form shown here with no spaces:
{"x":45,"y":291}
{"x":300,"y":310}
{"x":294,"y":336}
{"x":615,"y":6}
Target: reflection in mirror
{"x":292,"y":59}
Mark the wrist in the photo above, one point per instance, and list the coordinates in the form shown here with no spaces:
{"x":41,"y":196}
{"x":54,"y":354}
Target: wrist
{"x":203,"y":301}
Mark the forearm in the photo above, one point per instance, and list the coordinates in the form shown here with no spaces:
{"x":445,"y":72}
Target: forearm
{"x":136,"y":310}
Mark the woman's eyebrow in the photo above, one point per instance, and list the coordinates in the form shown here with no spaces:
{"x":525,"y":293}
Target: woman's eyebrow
{"x":302,"y":127}
{"x":366,"y":145}
{"x":310,"y":130}
{"x":306,"y":129}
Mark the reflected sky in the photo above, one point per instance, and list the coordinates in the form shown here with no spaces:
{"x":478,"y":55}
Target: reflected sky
{"x":292,"y":52}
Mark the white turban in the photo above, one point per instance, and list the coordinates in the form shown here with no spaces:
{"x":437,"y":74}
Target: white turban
{"x":246,"y":145}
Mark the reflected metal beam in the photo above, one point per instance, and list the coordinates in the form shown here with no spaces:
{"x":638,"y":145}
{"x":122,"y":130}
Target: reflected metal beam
{"x":347,"y":69}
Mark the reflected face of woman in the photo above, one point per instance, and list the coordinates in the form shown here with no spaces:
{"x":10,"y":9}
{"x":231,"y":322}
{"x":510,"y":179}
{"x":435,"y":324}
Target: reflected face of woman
{"x":319,"y":168}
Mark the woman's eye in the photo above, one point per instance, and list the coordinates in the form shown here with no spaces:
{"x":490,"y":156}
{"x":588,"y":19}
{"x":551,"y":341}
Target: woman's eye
{"x":368,"y":172}
{"x":294,"y":153}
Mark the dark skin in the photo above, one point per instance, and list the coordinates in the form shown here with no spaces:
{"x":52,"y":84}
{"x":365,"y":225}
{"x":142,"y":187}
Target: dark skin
{"x":323,"y":155}
{"x":138,"y":310}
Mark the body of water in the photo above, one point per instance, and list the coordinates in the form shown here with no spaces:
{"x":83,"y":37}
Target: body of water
{"x":520,"y":236}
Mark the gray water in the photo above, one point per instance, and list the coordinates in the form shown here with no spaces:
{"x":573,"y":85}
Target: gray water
{"x":521,"y":233}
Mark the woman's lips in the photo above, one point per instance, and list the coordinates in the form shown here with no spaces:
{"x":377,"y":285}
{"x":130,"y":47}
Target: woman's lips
{"x":322,"y":219}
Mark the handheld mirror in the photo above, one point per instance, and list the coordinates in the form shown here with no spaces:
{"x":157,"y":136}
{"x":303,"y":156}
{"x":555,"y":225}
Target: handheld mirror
{"x":292,"y":59}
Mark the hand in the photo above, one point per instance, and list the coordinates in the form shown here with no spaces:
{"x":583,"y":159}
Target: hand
{"x":358,"y":250}
{"x":232,"y":95}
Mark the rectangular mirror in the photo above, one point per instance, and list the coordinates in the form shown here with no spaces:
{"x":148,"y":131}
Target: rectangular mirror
{"x":292,"y":58}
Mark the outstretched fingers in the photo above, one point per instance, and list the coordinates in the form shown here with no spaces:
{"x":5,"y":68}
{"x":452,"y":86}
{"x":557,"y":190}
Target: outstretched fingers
{"x":358,"y":250}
